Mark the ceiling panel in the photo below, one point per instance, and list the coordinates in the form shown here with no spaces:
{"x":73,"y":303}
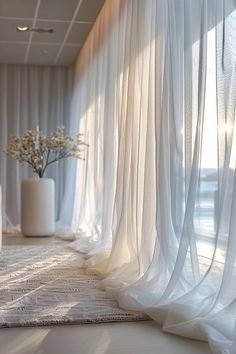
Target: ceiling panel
{"x":12,"y":53}
{"x":78,"y":33}
{"x":42,"y":54}
{"x":89,"y":10}
{"x":71,"y":20}
{"x":17,"y":8}
{"x":57,"y":9}
{"x":57,"y":36}
{"x":68,"y":55}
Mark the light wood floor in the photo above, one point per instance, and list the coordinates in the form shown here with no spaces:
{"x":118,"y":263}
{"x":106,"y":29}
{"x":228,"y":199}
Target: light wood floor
{"x":112,"y":338}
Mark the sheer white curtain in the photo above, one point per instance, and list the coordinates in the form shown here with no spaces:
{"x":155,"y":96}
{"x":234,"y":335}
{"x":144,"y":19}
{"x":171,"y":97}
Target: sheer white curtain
{"x":32,"y":96}
{"x":156,"y":90}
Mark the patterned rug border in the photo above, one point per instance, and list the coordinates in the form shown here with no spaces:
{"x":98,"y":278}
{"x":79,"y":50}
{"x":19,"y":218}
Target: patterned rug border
{"x":74,"y":323}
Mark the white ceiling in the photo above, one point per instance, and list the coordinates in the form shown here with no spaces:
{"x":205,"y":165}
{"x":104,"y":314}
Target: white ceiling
{"x":71,"y":20}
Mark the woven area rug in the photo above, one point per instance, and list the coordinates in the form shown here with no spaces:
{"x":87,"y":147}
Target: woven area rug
{"x":43,"y":285}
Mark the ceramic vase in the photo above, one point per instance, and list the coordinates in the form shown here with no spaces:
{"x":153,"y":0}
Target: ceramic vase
{"x":37,"y":207}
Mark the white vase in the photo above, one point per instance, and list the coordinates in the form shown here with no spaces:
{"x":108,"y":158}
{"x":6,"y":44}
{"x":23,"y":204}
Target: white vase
{"x":37,"y":207}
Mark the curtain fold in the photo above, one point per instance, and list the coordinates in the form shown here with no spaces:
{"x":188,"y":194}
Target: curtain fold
{"x":155,"y":90}
{"x":32,"y":96}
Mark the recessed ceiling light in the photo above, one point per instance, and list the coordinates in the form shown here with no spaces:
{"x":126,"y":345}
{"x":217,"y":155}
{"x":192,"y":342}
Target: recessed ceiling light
{"x":37,"y":30}
{"x":22,"y":29}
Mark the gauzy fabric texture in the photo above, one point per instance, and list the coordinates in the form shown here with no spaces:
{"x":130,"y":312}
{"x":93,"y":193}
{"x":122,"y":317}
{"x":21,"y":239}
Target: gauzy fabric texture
{"x":156,"y":91}
{"x":34,"y":96}
{"x":153,"y":204}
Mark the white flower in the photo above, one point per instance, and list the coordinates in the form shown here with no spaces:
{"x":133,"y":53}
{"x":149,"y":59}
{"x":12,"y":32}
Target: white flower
{"x":40,"y":151}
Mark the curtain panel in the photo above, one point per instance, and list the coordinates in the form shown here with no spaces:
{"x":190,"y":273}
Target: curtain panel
{"x":155,"y":88}
{"x":32,"y":96}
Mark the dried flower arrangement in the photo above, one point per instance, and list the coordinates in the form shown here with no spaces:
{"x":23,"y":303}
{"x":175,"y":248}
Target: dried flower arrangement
{"x":40,"y":151}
